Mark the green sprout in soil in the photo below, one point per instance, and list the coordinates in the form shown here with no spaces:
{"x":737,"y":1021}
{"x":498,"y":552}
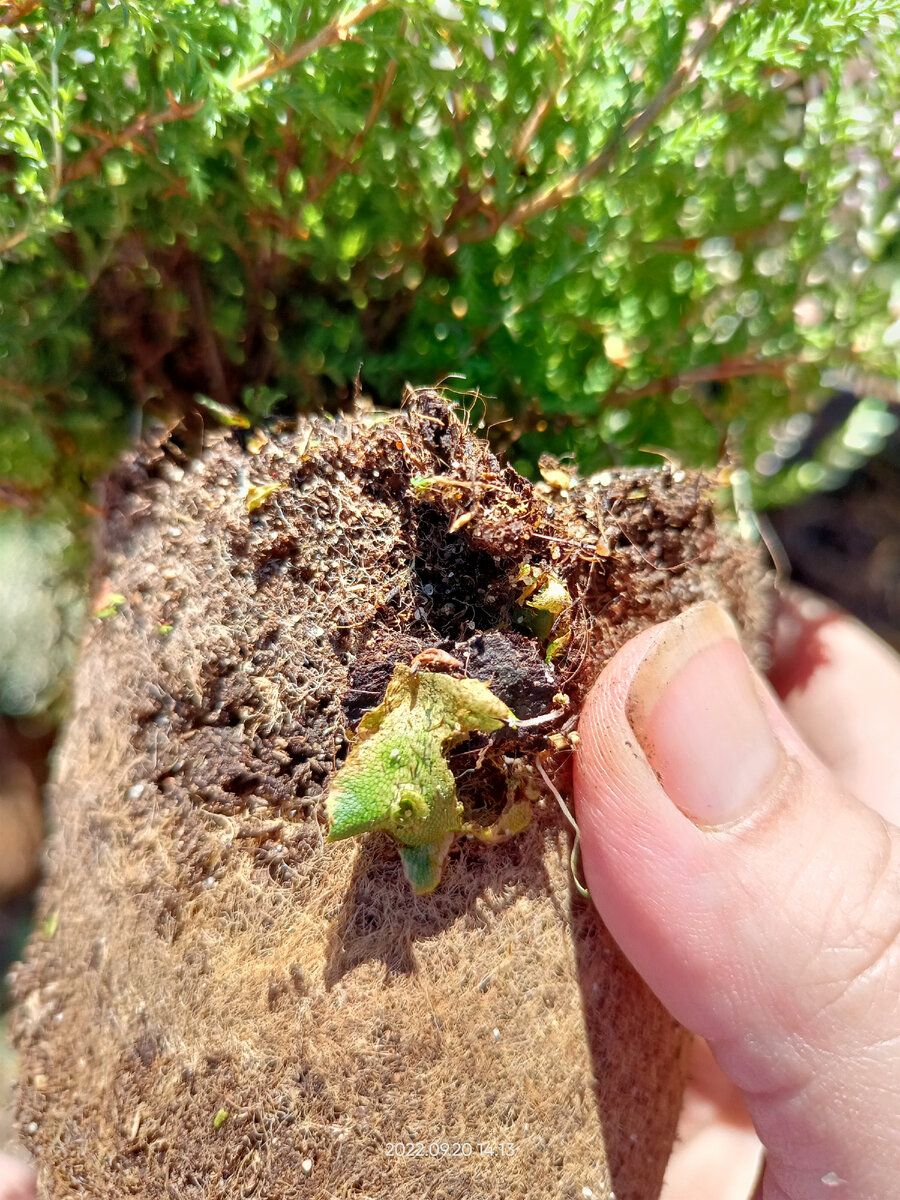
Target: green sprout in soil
{"x":543,"y":600}
{"x":396,"y":777}
{"x":110,"y":605}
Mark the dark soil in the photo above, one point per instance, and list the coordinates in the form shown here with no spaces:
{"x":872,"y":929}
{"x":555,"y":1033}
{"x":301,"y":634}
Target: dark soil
{"x":222,"y":1003}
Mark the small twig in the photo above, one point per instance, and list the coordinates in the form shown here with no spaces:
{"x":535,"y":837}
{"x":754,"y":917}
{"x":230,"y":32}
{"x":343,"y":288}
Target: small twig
{"x":337,"y":30}
{"x":340,"y":162}
{"x":88,"y":163}
{"x":334,"y":31}
{"x":541,"y":107}
{"x":532,"y":124}
{"x":682,"y":76}
{"x":54,"y":127}
{"x":689,"y":245}
{"x":728,"y":368}
{"x":14,"y":239}
{"x":572,"y":184}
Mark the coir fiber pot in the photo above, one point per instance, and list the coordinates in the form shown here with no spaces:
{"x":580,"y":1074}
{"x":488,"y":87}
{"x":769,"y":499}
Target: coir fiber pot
{"x":220,"y":1002}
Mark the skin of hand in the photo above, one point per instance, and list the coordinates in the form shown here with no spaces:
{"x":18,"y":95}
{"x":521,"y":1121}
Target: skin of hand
{"x":16,"y":1179}
{"x":744,"y":854}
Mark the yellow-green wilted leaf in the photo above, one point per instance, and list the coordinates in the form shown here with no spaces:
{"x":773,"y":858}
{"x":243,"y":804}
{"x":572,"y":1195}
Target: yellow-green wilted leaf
{"x":551,"y":597}
{"x":258,"y":493}
{"x":556,"y":647}
{"x":228,"y":416}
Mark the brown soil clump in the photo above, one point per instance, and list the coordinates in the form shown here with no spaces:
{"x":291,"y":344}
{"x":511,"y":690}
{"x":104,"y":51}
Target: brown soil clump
{"x":220,"y":1003}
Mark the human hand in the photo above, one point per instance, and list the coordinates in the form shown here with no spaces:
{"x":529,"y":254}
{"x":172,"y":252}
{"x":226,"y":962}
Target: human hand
{"x":756,"y":887}
{"x":16,"y":1179}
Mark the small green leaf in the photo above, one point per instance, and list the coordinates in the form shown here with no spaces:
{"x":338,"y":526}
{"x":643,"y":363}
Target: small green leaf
{"x":259,"y":401}
{"x":396,"y":777}
{"x":227,"y":416}
{"x":220,"y":1118}
{"x":556,"y":647}
{"x":110,"y":605}
{"x":543,"y":599}
{"x":51,"y":924}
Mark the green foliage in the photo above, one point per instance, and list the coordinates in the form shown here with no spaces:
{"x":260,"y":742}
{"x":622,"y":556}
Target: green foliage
{"x":627,"y":227}
{"x":41,"y":581}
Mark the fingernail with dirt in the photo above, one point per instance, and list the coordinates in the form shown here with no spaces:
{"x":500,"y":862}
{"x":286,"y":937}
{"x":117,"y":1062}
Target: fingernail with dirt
{"x":696,"y":710}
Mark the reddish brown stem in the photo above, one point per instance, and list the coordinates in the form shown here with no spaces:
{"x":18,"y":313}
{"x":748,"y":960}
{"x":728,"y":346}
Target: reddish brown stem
{"x":89,"y":162}
{"x":18,"y":12}
{"x":728,"y":368}
{"x":553,"y":195}
{"x":335,"y":31}
{"x":339,"y":162}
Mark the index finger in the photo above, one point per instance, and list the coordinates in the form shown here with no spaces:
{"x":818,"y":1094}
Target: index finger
{"x":840,"y":685}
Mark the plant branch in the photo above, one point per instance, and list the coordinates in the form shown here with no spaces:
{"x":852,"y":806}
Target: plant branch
{"x":339,"y":162}
{"x":533,"y":123}
{"x":14,"y":239}
{"x":728,"y":368}
{"x":18,"y":12}
{"x":337,"y":30}
{"x":689,"y":245}
{"x":88,"y":163}
{"x":574,"y":183}
{"x":542,"y":105}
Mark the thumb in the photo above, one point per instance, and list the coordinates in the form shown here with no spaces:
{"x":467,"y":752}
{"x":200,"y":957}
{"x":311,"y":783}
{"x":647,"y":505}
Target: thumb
{"x":758,"y":899}
{"x":16,"y":1179}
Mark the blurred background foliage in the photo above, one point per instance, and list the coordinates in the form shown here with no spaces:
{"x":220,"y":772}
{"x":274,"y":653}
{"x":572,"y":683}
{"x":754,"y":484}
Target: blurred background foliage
{"x":631,"y":227}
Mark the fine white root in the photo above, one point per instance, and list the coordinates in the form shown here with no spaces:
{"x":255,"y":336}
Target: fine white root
{"x":576,"y":844}
{"x":531,"y":722}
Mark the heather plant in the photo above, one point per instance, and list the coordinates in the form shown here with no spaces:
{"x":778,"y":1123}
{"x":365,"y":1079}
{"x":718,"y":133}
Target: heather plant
{"x":626,"y":226}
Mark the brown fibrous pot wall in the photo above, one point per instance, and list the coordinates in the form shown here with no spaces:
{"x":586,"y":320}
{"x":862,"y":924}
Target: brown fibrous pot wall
{"x":220,"y":1003}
